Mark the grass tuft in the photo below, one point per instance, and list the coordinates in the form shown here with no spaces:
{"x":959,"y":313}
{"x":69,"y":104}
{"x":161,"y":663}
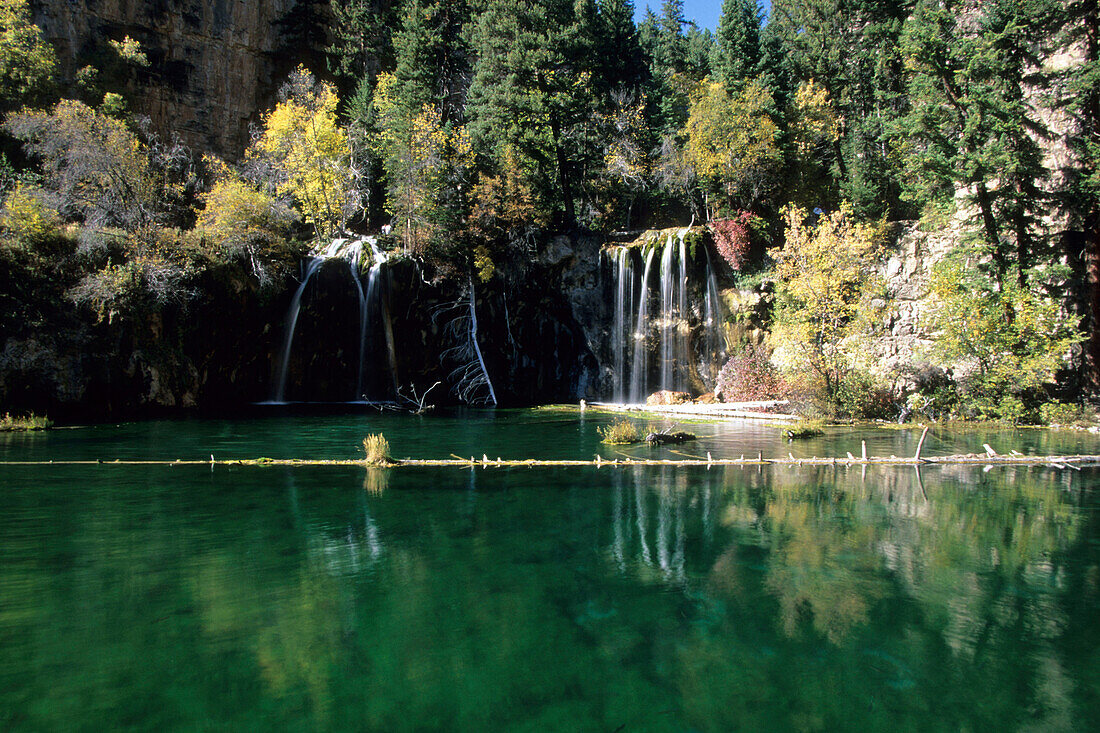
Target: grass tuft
{"x":803,"y":429}
{"x":377,"y":449}
{"x":30,"y":422}
{"x":620,"y":432}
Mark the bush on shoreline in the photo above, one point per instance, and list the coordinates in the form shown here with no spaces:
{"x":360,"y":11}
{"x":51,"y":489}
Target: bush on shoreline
{"x":10,"y":424}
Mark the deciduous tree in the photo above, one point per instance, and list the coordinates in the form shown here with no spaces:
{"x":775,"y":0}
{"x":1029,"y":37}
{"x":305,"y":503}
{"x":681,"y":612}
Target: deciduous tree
{"x":309,"y":153}
{"x":732,"y":142}
{"x":827,"y":282}
{"x":27,"y":62}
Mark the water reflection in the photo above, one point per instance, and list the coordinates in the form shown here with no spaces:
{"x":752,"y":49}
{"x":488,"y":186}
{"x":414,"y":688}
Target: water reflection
{"x":782,"y":599}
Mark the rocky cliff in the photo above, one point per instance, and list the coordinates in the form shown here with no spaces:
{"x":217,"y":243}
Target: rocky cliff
{"x":213,"y":66}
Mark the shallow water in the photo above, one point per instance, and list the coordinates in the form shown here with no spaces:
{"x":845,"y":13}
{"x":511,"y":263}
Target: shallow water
{"x":332,"y":598}
{"x":550,"y":433}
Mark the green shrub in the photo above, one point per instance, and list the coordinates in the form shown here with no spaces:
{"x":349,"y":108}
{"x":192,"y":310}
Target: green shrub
{"x":620,"y":432}
{"x":1059,"y":413}
{"x":861,"y":397}
{"x":1010,"y":338}
{"x":8,"y":423}
{"x":803,"y":429}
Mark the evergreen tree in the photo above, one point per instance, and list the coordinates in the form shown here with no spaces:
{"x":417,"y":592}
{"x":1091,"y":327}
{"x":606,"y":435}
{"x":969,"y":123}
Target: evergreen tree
{"x":361,"y":31}
{"x":850,"y":47}
{"x":666,"y":47}
{"x":431,"y":57}
{"x":417,"y":111}
{"x":622,"y":62}
{"x":738,"y":53}
{"x":530,"y":96}
{"x":970,"y":125}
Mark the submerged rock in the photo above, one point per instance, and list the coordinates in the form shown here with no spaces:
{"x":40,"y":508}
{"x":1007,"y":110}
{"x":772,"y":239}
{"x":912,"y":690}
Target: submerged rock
{"x":663,"y":438}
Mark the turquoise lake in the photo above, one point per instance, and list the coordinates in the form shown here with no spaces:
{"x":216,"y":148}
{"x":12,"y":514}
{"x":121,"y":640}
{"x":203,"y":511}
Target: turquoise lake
{"x":613,"y":599}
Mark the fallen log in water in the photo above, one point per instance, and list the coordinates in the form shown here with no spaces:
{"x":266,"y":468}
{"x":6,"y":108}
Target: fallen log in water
{"x":978,"y":459}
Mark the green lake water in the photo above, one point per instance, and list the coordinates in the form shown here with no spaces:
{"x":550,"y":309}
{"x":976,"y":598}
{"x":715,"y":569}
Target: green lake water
{"x":667,"y":599}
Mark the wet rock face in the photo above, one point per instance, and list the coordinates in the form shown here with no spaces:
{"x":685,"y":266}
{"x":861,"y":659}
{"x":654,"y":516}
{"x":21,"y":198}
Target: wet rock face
{"x":213,"y":65}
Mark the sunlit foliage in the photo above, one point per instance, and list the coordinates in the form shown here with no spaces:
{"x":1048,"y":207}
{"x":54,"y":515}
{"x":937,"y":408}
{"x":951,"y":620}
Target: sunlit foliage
{"x":27,"y":62}
{"x":826,"y":295}
{"x":27,"y":218}
{"x":98,"y":167}
{"x":242,"y":222}
{"x":309,"y":150}
{"x":1009,"y":340}
{"x":732,"y":141}
{"x":424,"y":160}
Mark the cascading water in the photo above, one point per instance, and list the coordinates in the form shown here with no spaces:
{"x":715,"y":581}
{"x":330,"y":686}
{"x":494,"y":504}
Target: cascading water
{"x":351,"y":252}
{"x":668,"y":331}
{"x":640,"y":362}
{"x":667,"y":320}
{"x":621,"y":330}
{"x":311,"y":265}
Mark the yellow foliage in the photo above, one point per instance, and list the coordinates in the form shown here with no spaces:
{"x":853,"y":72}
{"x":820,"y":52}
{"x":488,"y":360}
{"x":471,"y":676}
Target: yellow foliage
{"x":814,"y":119}
{"x":506,"y":201}
{"x":96,"y":164}
{"x":302,"y":138}
{"x":236,"y":210}
{"x":732,"y":140}
{"x":240,"y":220}
{"x":130,"y":50}
{"x":420,"y":155}
{"x":26,"y":59}
{"x":483,"y":263}
{"x":828,"y":283}
{"x":26,"y":218}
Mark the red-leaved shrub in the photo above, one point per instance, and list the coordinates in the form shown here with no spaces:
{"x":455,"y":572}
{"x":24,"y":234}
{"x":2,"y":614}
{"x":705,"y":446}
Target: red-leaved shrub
{"x":731,"y":237}
{"x":748,"y":376}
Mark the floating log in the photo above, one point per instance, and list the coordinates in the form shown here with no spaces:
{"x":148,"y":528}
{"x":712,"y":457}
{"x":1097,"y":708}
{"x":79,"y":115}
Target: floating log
{"x":1075,"y":462}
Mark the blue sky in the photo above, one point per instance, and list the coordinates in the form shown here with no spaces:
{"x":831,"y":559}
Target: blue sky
{"x":704,"y":12}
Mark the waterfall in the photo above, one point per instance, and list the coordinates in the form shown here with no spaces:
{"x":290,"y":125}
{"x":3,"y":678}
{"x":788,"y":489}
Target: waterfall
{"x":670,"y":324}
{"x":351,"y":255}
{"x":713,"y":324}
{"x":667,"y":320}
{"x":351,"y":252}
{"x":620,"y":330}
{"x":312,"y":264}
{"x":640,"y":363}
{"x":683,"y":345}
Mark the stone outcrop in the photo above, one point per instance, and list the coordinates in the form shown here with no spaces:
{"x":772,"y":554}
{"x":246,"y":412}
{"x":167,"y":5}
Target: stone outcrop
{"x":668,"y":397}
{"x":213,"y":66}
{"x":907,"y":272}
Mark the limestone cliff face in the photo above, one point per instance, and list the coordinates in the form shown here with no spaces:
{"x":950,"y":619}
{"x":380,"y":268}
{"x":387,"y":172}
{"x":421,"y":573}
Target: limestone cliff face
{"x":214,"y":64}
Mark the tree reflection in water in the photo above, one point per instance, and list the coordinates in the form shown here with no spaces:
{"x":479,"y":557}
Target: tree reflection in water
{"x":777,"y":598}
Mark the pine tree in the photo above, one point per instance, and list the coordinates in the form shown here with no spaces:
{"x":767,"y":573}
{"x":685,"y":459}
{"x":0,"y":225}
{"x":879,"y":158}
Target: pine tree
{"x":970,"y":125}
{"x":738,"y":53}
{"x":1077,"y":24}
{"x":850,"y":47}
{"x":531,"y":96}
{"x":622,"y":61}
{"x":431,"y":56}
{"x":361,"y":31}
